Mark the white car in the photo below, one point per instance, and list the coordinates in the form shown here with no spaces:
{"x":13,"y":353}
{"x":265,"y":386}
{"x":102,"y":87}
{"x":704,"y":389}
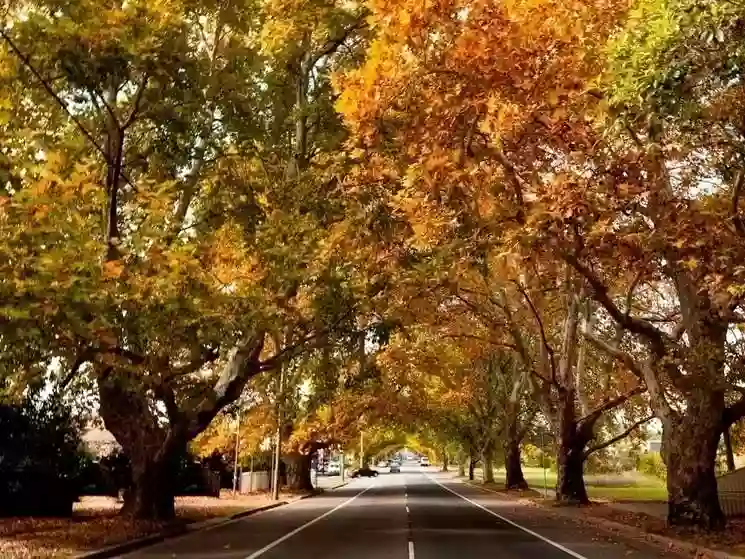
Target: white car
{"x":333,"y":469}
{"x":424,"y":461}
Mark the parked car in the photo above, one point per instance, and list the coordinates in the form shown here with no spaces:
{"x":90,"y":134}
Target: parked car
{"x":395,"y":468}
{"x":365,"y":472}
{"x":424,"y":461}
{"x":333,"y":469}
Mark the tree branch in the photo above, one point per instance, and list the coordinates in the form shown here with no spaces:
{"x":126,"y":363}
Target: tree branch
{"x":617,"y":438}
{"x":48,"y":88}
{"x":632,"y":324}
{"x":136,"y":103}
{"x":610,"y":404}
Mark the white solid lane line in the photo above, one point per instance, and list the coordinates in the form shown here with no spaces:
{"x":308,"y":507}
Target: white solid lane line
{"x":288,"y":535}
{"x":411,"y":551}
{"x":511,"y":523}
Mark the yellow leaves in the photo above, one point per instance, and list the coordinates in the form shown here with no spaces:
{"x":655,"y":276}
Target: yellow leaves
{"x":113,"y":269}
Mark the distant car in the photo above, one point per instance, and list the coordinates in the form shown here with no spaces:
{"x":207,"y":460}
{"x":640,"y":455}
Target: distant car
{"x":333,"y":469}
{"x":365,"y":472}
{"x":395,"y":468}
{"x":424,"y":461}
{"x":382,"y":464}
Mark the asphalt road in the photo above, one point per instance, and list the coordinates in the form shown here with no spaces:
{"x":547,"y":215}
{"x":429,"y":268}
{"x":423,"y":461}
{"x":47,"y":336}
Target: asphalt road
{"x":412,"y":515}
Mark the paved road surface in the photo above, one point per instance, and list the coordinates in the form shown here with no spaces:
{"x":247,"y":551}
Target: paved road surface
{"x":411,"y":515}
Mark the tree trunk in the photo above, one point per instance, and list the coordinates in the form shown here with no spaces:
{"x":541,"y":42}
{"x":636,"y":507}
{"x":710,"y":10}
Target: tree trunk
{"x":487,"y":463}
{"x":298,"y":472}
{"x":729,"y":453}
{"x":444,"y":458}
{"x":152,"y":495}
{"x":570,"y":482}
{"x":461,"y":464}
{"x":152,"y":451}
{"x":690,"y":448}
{"x":513,"y":467}
{"x":471,"y":468}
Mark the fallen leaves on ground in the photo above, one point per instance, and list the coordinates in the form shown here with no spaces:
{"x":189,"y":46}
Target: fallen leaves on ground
{"x":732,"y":539}
{"x":95,"y":524}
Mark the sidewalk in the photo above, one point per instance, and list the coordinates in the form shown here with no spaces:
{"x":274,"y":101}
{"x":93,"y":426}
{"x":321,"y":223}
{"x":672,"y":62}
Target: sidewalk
{"x":329,"y":482}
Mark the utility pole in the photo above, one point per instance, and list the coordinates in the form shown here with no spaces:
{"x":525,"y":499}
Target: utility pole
{"x":237,"y":448}
{"x":278,"y":435}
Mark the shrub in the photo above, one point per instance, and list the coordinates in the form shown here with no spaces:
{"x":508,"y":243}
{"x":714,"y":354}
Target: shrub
{"x":41,"y":459}
{"x":534,"y":457}
{"x":651,"y":463}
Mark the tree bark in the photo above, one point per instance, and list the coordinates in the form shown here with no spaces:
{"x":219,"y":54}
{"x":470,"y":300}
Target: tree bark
{"x":487,"y":463}
{"x":513,"y":466}
{"x":570,"y":459}
{"x":570,"y":482}
{"x":690,"y":448}
{"x":471,"y":468}
{"x":153,"y":492}
{"x":152,"y":450}
{"x":298,"y":471}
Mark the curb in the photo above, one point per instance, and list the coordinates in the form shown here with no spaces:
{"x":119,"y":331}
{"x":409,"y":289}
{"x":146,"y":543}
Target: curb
{"x":627,"y":530}
{"x":133,"y":545}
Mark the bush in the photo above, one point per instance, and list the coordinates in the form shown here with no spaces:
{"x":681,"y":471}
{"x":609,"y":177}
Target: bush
{"x":41,"y":459}
{"x":534,"y":457}
{"x":651,"y":463}
{"x":190,"y":476}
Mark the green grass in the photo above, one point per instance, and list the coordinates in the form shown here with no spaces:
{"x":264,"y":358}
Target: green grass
{"x":630,"y":486}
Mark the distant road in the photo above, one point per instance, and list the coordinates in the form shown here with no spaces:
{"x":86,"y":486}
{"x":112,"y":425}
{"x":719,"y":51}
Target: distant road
{"x":411,"y":515}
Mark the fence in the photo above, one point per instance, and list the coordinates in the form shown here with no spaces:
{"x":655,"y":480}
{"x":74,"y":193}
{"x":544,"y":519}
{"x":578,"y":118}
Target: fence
{"x":731,"y":489}
{"x":254,"y":481}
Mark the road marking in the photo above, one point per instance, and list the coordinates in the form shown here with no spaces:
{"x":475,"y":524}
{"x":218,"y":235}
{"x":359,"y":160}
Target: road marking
{"x":288,"y":535}
{"x":411,"y":550}
{"x":407,"y":509}
{"x":511,"y":523}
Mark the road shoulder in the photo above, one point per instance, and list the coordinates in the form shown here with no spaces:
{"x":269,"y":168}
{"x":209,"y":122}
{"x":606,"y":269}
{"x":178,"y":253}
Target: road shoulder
{"x":632,"y":534}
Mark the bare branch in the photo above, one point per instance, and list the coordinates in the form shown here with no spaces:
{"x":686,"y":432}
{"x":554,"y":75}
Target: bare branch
{"x":48,"y":88}
{"x":635,"y":325}
{"x":614,"y":440}
{"x":136,"y":103}
{"x":595,"y":414}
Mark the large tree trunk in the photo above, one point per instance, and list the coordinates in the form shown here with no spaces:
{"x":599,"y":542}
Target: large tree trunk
{"x":570,"y":482}
{"x":511,"y":445}
{"x":487,"y":464}
{"x":471,"y":468}
{"x":152,"y":495}
{"x":152,"y":451}
{"x":513,"y":466}
{"x":690,"y":448}
{"x":298,"y":472}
